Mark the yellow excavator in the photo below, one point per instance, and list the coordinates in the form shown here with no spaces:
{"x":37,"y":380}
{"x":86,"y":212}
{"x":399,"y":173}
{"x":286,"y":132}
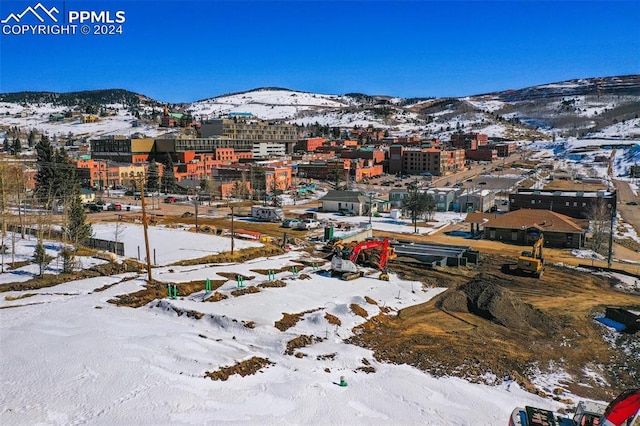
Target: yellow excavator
{"x":532,"y":262}
{"x":529,"y":262}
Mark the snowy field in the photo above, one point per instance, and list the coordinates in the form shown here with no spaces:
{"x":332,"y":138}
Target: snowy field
{"x":21,"y":250}
{"x":70,"y":357}
{"x":169,"y":245}
{"x":37,"y":117}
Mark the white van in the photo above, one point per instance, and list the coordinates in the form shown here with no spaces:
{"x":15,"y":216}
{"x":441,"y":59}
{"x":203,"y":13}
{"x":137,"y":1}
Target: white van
{"x":308,"y":224}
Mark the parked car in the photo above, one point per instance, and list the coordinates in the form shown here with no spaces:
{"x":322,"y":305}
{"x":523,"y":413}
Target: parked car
{"x":308,"y":224}
{"x":290,"y":223}
{"x":94,"y":208}
{"x":170,"y":200}
{"x":114,"y":207}
{"x":128,"y":193}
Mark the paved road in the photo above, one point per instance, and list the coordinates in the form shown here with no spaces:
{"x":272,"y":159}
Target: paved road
{"x":630,"y":213}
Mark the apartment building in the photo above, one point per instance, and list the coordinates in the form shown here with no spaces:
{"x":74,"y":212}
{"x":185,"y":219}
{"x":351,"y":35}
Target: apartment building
{"x":309,"y":144}
{"x":576,"y":204}
{"x":246,"y":132}
{"x":122,"y":149}
{"x":425,"y":160}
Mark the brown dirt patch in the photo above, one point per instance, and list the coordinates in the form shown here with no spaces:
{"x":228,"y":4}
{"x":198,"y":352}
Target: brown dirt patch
{"x":288,"y":268}
{"x":105,"y":287}
{"x":289,"y":320}
{"x":366,"y":369}
{"x":569,"y":185}
{"x":243,"y":368}
{"x":190,"y":313}
{"x":21,"y":296}
{"x":113,"y":268}
{"x":238,"y":256}
{"x":47,"y":280}
{"x":358,"y":310}
{"x":216,"y":297}
{"x":510,"y":325}
{"x":370,"y":301}
{"x":332,"y":319}
{"x":300,"y":342}
{"x":157,"y":290}
{"x":247,"y":290}
{"x":327,"y":357}
{"x":16,"y":265}
{"x":234,"y":276}
{"x":273,"y":284}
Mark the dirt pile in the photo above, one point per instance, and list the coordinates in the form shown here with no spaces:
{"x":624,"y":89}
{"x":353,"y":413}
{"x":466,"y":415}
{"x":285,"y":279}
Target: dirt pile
{"x":244,"y":368}
{"x":497,"y":304}
{"x":359,"y":310}
{"x":332,"y":319}
{"x":300,"y":342}
{"x":245,"y":290}
{"x":289,"y":320}
{"x":216,"y":297}
{"x":273,"y":284}
{"x":158,"y":290}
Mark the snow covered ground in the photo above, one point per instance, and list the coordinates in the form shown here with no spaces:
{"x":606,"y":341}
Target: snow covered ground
{"x":37,"y":117}
{"x":21,"y":250}
{"x":580,"y":155}
{"x":69,"y":356}
{"x":167,"y":245}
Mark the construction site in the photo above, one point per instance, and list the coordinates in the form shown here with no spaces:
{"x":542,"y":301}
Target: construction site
{"x":498,"y":316}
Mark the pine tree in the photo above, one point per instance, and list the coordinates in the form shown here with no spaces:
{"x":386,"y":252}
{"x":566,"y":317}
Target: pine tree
{"x":17,"y":146}
{"x":46,"y":172}
{"x":65,"y":178}
{"x":152,"y":177}
{"x":31,"y":140}
{"x":68,"y":260}
{"x":39,"y":257}
{"x":77,"y":229}
{"x":169,"y":181}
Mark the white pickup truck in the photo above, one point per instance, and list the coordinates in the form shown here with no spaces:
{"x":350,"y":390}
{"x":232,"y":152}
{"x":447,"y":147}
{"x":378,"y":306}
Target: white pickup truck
{"x":308,"y":224}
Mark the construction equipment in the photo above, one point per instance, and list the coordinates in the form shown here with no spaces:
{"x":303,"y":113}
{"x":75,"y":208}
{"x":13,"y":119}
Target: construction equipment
{"x":374,"y":253}
{"x":623,"y":410}
{"x":529,"y":262}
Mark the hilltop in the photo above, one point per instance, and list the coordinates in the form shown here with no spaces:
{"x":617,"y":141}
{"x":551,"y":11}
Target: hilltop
{"x":593,"y":107}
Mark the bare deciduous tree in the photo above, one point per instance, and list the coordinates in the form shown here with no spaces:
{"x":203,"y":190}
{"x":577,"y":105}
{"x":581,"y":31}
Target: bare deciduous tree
{"x":600,"y":225}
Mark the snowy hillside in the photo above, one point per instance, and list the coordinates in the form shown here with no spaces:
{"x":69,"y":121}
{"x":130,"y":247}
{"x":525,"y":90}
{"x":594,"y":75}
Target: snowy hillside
{"x":266,"y":104}
{"x":100,"y":363}
{"x":602,"y":107}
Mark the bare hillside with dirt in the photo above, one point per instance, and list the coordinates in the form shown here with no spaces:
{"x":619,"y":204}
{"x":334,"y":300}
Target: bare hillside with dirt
{"x":489,"y":322}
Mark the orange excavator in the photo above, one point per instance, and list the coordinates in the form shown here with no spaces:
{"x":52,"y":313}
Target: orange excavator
{"x":373,"y":253}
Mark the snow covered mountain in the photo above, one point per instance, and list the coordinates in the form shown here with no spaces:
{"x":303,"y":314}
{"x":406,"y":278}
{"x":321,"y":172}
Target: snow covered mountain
{"x":598,"y":107}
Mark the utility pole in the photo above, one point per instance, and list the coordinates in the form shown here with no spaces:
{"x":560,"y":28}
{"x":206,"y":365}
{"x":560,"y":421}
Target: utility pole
{"x":145,"y":226}
{"x":196,"y":201}
{"x":232,"y":231}
{"x":613,"y":217}
{"x":370,"y":206}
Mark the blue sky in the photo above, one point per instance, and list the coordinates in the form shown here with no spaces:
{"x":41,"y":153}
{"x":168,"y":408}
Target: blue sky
{"x":181,"y":51}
